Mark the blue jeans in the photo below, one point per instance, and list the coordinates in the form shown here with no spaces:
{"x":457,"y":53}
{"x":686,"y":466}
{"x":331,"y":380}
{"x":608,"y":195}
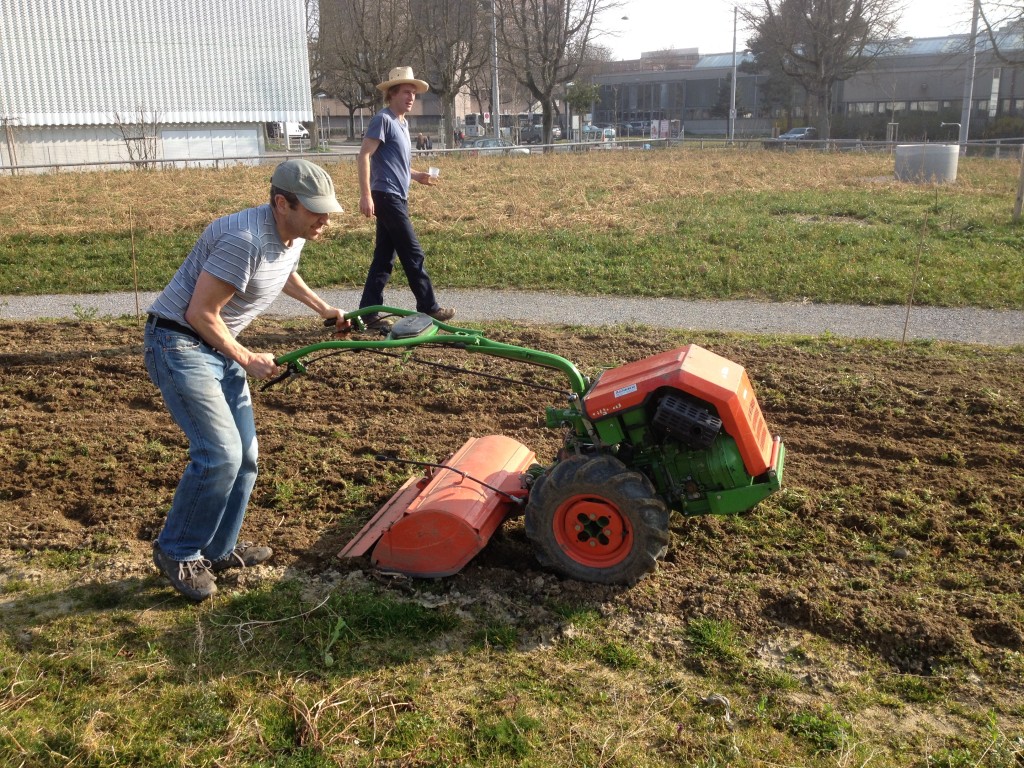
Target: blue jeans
{"x":395,"y":235}
{"x":208,"y":397}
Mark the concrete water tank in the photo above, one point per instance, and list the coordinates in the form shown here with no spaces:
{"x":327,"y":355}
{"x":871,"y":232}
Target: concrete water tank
{"x":927,"y":162}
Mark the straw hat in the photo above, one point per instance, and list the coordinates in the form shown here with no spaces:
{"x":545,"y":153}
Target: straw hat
{"x":400,"y":75}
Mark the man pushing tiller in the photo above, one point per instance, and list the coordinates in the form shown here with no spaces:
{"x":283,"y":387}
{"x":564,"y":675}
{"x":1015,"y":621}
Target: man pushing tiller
{"x":240,"y":264}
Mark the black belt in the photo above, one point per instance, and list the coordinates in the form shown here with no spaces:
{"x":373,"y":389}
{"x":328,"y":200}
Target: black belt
{"x":170,"y":325}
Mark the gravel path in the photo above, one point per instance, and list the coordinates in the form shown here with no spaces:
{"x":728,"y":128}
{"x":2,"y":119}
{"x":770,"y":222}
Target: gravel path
{"x":979,"y":326}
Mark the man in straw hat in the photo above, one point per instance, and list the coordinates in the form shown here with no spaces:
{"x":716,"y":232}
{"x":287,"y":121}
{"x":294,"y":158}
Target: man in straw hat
{"x":239,"y":265}
{"x":385,"y":171}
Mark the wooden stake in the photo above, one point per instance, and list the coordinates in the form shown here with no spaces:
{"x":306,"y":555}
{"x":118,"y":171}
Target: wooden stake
{"x":135,"y":266}
{"x":913,"y":284}
{"x":1020,"y":190}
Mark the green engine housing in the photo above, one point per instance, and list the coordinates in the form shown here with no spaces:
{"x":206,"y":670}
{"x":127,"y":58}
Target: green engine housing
{"x":697,"y":469}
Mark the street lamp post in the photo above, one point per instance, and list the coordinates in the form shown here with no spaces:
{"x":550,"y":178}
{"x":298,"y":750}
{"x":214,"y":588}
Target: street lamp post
{"x":972,"y":62}
{"x":321,"y":139}
{"x":732,"y":95}
{"x":494,"y":66}
{"x":568,"y":114}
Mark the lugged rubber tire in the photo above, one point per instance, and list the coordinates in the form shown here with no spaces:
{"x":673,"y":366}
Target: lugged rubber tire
{"x":593,"y":519}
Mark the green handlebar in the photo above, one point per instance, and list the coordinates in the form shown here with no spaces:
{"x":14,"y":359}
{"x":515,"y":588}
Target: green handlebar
{"x":440,"y":334}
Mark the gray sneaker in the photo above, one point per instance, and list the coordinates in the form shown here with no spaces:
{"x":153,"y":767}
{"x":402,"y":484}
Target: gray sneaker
{"x":193,"y":578}
{"x":442,"y":313}
{"x":244,"y":555}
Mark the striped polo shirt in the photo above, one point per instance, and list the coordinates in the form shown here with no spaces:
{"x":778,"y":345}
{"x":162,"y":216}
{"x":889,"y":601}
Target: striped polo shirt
{"x":241,"y":249}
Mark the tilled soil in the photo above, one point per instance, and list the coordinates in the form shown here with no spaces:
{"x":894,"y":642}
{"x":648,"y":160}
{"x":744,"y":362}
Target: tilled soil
{"x":899,"y":528}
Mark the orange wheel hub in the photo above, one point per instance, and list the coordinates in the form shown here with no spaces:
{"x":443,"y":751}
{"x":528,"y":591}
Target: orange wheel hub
{"x":592,"y":531}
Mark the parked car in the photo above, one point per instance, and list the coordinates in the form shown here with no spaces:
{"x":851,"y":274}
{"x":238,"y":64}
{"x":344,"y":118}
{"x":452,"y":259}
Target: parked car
{"x":799,"y":134}
{"x":804,"y":133}
{"x":598,"y":132}
{"x":494,"y":146}
{"x":556,"y":131}
{"x":638,"y":128}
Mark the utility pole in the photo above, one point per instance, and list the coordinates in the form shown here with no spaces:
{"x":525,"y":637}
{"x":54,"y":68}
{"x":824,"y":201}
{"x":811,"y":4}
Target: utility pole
{"x":965,"y":114}
{"x":494,"y":66}
{"x":568,"y":113}
{"x":732,"y":95}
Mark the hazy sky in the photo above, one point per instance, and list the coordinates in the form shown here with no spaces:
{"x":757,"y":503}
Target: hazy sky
{"x":708,"y":24}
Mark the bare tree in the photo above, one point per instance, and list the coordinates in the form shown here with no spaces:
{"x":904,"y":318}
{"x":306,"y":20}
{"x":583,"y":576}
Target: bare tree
{"x":316,"y":66}
{"x":139,"y":130}
{"x":480,"y":86}
{"x":545,"y":42}
{"x":1002,"y":25}
{"x":8,"y":124}
{"x":818,"y":43}
{"x":360,"y":41}
{"x":347,"y":87}
{"x":451,"y":48}
{"x":775,"y":94}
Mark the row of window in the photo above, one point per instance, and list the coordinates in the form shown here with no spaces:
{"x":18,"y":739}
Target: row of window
{"x":1006,"y":106}
{"x":669,"y":99}
{"x":889,"y":107}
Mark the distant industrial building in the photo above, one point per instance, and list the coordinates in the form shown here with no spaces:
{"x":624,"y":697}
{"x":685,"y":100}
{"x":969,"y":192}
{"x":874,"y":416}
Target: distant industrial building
{"x":916,"y":88}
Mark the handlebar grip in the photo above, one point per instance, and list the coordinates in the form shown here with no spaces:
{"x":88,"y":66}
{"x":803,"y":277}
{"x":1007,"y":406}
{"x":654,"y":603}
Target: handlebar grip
{"x":328,"y":323}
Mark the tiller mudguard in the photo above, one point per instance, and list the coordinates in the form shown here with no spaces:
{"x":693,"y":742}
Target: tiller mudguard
{"x":436,"y":524}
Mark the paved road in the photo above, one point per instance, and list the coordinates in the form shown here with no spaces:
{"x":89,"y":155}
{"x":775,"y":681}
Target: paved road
{"x":980,"y":326}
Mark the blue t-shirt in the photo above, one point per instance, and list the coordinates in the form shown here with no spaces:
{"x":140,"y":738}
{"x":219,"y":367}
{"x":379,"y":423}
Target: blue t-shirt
{"x":391,"y":164}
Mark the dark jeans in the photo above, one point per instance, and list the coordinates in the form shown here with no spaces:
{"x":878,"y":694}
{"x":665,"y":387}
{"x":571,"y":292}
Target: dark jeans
{"x":395,"y":236}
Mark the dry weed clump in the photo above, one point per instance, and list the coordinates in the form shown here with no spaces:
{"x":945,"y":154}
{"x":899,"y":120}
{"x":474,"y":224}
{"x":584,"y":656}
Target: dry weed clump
{"x":599,"y":190}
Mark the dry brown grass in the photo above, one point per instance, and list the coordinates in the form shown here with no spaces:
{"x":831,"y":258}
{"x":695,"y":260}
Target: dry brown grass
{"x":597,"y":190}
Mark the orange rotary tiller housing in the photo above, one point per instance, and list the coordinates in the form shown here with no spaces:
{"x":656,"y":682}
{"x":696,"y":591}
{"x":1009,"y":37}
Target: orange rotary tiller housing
{"x":435,"y":525}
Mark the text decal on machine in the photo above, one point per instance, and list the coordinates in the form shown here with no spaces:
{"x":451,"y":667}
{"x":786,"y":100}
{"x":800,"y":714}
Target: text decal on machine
{"x":625,"y":391}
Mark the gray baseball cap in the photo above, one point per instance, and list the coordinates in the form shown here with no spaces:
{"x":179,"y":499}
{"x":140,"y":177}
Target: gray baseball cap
{"x":310,"y":183}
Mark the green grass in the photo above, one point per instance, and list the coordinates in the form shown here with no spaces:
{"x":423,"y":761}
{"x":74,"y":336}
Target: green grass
{"x":679,"y":223}
{"x":825,"y":731}
{"x":714,"y":639}
{"x":319,"y":672}
{"x":289,"y":675}
{"x":313,"y":673}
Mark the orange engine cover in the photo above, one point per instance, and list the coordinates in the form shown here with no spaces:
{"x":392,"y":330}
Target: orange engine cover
{"x":696,"y":371}
{"x":433,"y":526}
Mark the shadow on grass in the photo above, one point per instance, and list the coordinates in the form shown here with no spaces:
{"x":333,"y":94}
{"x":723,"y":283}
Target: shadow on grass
{"x":285,"y":625}
{"x":336,"y":619}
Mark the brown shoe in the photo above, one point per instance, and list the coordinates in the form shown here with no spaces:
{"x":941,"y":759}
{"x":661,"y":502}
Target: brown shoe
{"x":244,"y":555}
{"x":192,"y":578}
{"x":443,"y":313}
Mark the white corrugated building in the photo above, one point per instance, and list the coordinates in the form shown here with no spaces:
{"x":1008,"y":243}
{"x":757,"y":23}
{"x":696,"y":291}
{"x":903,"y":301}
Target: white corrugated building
{"x":117,"y":80}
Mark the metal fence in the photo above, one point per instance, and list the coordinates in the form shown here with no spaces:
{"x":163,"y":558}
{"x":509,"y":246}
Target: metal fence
{"x":995,"y":148}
